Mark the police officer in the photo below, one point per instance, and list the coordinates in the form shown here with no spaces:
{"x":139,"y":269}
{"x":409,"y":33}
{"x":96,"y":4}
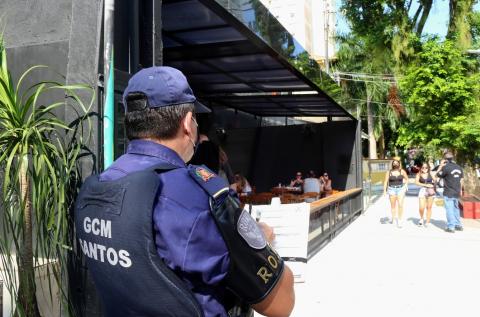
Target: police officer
{"x":215,"y":248}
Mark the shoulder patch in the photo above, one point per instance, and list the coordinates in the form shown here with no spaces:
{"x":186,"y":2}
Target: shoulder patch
{"x":250,"y":231}
{"x":203,"y":173}
{"x":213,"y":184}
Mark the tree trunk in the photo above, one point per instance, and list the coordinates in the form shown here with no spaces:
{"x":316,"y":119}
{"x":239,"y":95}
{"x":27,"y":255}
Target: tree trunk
{"x":372,"y":144}
{"x":427,"y":6}
{"x":381,"y":145}
{"x":458,"y":25}
{"x":27,"y":299}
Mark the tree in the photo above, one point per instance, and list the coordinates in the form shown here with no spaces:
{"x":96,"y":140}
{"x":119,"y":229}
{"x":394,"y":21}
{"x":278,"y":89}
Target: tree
{"x":359,"y":54}
{"x":441,"y":90}
{"x":391,"y":27}
{"x":474,"y":22}
{"x":389,"y":24}
{"x":396,"y":27}
{"x":459,"y":22}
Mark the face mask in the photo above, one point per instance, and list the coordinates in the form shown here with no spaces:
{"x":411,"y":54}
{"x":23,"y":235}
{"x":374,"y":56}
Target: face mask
{"x":196,"y":142}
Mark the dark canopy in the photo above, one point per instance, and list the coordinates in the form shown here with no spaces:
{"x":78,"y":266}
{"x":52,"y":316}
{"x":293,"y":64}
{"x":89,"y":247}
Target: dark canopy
{"x":229,"y":64}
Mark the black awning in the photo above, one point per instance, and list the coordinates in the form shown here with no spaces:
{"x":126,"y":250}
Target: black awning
{"x":228,"y":64}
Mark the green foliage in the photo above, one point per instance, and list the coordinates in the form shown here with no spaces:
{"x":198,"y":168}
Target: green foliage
{"x":441,"y":89}
{"x":38,"y":166}
{"x":474,"y":22}
{"x":387,"y":24}
{"x":360,"y":54}
{"x":439,"y":83}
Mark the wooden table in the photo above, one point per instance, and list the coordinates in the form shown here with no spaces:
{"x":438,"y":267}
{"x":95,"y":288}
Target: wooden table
{"x":283,"y":190}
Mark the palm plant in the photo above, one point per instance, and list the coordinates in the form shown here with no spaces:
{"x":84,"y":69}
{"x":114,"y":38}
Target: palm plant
{"x":38,"y":165}
{"x":363,"y":55}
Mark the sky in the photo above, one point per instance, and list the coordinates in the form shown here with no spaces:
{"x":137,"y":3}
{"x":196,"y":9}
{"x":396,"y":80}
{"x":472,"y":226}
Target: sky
{"x":436,"y":23}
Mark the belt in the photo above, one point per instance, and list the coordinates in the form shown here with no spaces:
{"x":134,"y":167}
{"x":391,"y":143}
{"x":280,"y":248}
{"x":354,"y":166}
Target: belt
{"x":397,"y":186}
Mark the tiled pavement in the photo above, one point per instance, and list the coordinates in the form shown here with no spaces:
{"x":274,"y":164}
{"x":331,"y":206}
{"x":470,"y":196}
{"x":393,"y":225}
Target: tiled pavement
{"x":374,"y":269}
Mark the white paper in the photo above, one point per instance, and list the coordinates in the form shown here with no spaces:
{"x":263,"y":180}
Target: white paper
{"x":290,"y":224}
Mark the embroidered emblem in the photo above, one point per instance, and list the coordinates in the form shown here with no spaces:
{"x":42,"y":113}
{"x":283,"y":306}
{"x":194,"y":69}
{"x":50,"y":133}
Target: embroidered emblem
{"x":204,"y":174}
{"x":250,"y":231}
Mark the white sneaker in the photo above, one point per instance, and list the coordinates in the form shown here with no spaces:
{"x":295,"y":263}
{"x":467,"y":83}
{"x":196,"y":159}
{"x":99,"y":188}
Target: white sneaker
{"x":399,"y":223}
{"x":421,"y":222}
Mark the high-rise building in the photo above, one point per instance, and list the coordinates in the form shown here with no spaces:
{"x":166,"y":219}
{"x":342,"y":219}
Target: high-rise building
{"x":311,"y":22}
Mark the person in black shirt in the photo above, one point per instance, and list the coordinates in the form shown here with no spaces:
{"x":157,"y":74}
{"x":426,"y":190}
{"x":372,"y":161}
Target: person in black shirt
{"x":394,"y":185}
{"x":207,"y":152}
{"x":452,"y":174}
{"x":297,"y":181}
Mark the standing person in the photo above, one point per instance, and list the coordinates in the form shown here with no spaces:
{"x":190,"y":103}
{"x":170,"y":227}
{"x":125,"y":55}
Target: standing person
{"x":396,"y":179}
{"x":207,"y":153}
{"x":426,"y":180}
{"x":440,"y":181}
{"x":225,"y":169}
{"x":452,"y":174}
{"x":191,"y":224}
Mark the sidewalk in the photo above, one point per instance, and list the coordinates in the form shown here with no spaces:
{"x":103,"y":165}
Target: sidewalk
{"x":373,"y":269}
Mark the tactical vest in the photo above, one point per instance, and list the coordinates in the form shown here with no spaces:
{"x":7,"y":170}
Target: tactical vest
{"x":114,"y":228}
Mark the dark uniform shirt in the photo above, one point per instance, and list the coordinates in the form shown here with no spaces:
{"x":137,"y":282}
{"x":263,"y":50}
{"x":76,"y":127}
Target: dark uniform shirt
{"x":187,"y":238}
{"x":452,"y":175}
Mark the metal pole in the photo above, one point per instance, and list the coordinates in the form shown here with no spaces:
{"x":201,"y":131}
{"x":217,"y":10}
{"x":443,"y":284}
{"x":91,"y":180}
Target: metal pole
{"x":108,"y":109}
{"x":153,"y":33}
{"x":134,"y":37}
{"x":327,"y":27}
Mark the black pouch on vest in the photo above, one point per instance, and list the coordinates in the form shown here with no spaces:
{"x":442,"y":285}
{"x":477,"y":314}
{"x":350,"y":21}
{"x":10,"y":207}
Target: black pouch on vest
{"x":114,"y":227}
{"x":255,"y":267}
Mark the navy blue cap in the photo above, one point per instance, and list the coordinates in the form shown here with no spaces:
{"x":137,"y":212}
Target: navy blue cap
{"x":163,"y":86}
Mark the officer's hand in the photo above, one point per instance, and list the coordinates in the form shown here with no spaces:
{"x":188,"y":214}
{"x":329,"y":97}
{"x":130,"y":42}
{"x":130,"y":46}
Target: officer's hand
{"x":267,"y":231}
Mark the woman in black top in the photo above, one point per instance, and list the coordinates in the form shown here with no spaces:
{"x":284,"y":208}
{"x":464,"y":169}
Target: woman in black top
{"x":426,"y":180}
{"x":395,"y":185}
{"x":297,"y":181}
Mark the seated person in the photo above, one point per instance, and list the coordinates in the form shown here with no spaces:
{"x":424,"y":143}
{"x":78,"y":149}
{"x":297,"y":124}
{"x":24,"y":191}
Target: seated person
{"x":241,"y":185}
{"x":325,"y":185}
{"x":297,"y":181}
{"x":311,"y":185}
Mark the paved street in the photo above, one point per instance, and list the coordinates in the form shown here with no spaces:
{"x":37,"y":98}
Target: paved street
{"x":373,"y":269}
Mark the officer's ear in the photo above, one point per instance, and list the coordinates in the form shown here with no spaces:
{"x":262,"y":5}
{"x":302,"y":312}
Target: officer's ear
{"x":188,"y":124}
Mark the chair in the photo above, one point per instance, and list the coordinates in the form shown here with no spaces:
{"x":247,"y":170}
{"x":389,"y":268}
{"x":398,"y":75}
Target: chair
{"x":310,"y":197}
{"x":278,"y":191}
{"x":261,"y":198}
{"x":291,"y":198}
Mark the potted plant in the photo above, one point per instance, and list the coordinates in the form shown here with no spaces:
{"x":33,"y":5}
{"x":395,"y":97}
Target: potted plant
{"x":38,"y":179}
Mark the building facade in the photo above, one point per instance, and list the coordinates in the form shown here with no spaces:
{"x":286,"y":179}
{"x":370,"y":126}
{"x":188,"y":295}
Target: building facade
{"x":311,"y":22}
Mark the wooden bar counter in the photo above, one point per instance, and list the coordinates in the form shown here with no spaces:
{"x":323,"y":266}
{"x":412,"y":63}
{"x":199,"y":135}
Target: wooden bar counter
{"x":322,"y":203}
